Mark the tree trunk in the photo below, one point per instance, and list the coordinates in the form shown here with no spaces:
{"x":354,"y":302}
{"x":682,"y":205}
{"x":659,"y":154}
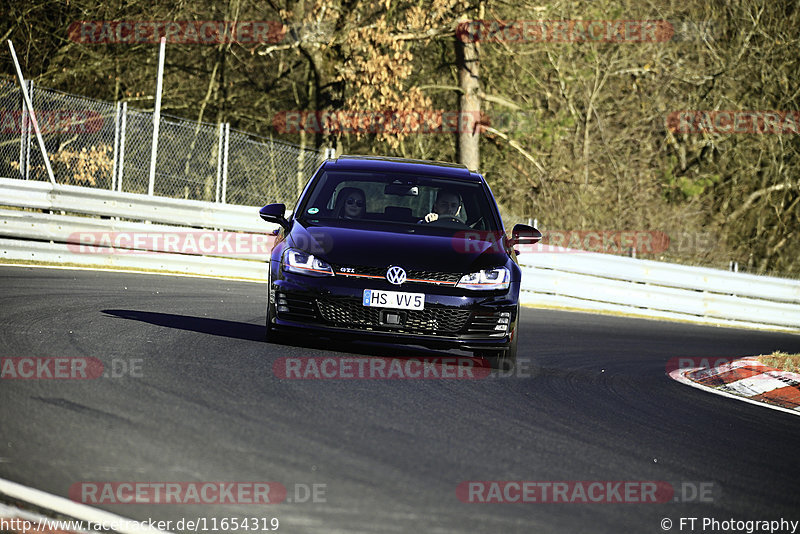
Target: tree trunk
{"x":468,"y":63}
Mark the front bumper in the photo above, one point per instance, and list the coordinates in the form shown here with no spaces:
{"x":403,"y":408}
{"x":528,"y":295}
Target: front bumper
{"x":452,"y":318}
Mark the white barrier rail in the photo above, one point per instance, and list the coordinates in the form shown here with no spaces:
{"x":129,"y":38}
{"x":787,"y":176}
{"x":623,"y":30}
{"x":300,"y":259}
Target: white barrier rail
{"x":91,"y":201}
{"x":55,"y":238}
{"x":578,"y":279}
{"x":665,"y":274}
{"x":90,"y":235}
{"x":659,"y":298}
{"x":566,"y":278}
{"x":42,"y":251}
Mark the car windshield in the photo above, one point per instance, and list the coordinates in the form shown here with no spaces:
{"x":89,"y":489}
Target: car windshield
{"x":399,"y":202}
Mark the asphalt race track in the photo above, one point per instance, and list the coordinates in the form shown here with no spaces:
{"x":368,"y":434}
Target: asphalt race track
{"x":202,"y":404}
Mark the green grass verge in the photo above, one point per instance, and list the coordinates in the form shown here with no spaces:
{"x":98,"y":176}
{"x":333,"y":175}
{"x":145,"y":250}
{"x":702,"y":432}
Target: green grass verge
{"x":782,"y":361}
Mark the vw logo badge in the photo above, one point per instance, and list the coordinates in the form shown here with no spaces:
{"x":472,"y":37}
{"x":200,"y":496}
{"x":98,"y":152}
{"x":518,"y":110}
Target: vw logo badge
{"x":396,"y":275}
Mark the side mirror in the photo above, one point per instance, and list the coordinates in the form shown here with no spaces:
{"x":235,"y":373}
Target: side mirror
{"x":522,"y":234}
{"x":274,"y":213}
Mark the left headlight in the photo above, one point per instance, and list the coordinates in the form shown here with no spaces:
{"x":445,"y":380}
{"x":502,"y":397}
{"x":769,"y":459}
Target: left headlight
{"x":487,"y":279}
{"x":297,"y":261}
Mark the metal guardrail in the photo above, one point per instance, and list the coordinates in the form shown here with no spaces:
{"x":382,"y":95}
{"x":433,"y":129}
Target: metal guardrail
{"x":565,"y":278}
{"x":99,"y":202}
{"x":44,"y":251}
{"x":594,"y":281}
{"x":664,"y":274}
{"x":56,"y":237}
{"x":89,"y":234}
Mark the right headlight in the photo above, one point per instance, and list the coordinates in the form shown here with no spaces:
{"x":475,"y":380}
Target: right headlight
{"x":487,"y":279}
{"x":299,"y":262}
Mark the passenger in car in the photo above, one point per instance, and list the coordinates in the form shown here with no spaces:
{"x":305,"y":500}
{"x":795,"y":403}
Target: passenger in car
{"x":351,"y":203}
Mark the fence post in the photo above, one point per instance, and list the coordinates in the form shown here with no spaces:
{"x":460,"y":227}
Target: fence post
{"x":31,"y":133}
{"x":29,"y":105}
{"x":25,"y":134}
{"x":273,"y":190}
{"x":24,"y":138}
{"x":219,"y":160}
{"x":225,"y":162}
{"x":122,"y":128}
{"x":116,"y":147}
{"x":156,"y":118}
{"x":300,"y":176}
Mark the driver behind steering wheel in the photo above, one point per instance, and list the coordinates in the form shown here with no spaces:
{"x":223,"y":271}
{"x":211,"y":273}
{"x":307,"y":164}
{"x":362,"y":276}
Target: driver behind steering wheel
{"x":448,"y":204}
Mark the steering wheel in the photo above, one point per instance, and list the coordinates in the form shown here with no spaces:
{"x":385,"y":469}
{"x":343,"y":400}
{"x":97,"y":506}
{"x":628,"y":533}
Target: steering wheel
{"x":444,"y":220}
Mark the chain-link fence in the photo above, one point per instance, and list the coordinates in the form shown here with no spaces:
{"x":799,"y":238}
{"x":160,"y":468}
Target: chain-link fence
{"x":100,"y":144}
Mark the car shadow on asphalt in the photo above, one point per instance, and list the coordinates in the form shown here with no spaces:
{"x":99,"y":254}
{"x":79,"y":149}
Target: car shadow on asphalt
{"x":255,"y":332}
{"x":203,"y":325}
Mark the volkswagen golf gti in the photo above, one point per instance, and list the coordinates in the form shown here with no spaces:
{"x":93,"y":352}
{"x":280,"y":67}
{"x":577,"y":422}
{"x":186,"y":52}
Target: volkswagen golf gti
{"x":399,"y":251}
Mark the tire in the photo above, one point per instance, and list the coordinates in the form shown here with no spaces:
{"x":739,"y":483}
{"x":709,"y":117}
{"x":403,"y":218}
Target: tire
{"x":506,"y":360}
{"x":271,"y":334}
{"x":269,"y":330}
{"x":502,"y":360}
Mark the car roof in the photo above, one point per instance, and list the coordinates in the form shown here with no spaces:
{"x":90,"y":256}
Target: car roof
{"x":411,"y":166}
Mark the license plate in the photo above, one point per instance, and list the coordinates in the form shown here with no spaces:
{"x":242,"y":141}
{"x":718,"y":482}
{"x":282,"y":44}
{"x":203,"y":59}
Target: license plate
{"x":394,"y":299}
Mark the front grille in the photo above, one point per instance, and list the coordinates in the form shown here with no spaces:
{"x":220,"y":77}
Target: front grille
{"x":353,"y":314}
{"x":348,"y":314}
{"x":431,"y":277}
{"x":449,"y":278}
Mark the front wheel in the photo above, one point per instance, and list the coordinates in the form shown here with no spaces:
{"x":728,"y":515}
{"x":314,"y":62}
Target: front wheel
{"x":271,"y":334}
{"x":502,"y":360}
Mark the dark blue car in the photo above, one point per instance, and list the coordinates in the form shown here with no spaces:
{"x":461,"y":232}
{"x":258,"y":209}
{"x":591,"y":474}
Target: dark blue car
{"x":401,"y":251}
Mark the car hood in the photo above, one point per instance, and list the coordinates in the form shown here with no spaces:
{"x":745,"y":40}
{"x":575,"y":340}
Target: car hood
{"x":368,"y":247}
